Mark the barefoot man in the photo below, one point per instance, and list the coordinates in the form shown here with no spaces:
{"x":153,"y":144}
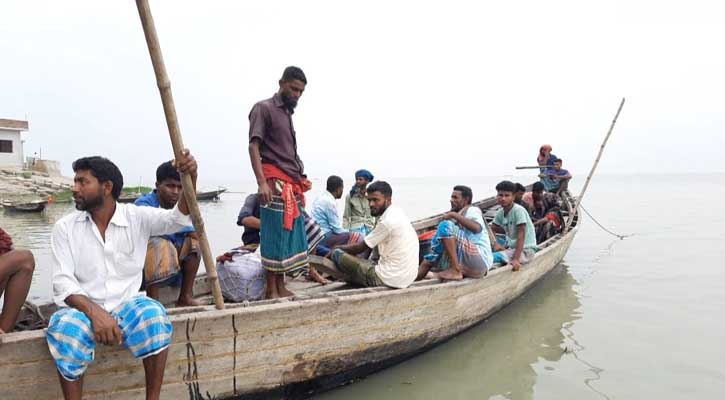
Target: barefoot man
{"x":97,"y":269}
{"x":16,"y":274}
{"x":170,"y":257}
{"x":461,"y":247}
{"x":281,"y":180}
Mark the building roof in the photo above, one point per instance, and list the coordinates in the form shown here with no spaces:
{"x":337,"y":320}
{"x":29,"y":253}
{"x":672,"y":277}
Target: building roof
{"x":13,"y":124}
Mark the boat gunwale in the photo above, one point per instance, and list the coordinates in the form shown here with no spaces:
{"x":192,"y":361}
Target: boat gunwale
{"x":346,"y":295}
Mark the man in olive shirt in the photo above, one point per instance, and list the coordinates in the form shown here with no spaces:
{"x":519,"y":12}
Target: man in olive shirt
{"x":281,"y":181}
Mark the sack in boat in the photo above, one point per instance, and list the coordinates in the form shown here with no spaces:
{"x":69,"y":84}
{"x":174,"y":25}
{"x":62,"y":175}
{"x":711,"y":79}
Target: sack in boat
{"x":241,"y":275}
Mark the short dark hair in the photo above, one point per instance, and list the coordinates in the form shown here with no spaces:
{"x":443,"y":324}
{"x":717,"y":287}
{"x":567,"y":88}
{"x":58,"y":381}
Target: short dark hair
{"x":558,"y":160}
{"x":382,"y":187}
{"x":520,"y":187}
{"x":506,"y":186}
{"x":538,"y":187}
{"x":103,"y":169}
{"x":466,"y":192}
{"x":167,"y":171}
{"x":334,"y":182}
{"x":291,"y":73}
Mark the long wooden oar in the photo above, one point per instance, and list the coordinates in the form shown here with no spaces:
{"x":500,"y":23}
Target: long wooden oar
{"x":594,"y":167}
{"x":162,"y":80}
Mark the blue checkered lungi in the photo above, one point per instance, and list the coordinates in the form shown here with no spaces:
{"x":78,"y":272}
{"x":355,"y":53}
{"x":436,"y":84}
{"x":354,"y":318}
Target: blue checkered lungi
{"x":146,"y":332}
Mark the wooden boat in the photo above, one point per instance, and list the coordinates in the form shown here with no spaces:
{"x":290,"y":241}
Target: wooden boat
{"x":324,"y":336}
{"x":32,"y":206}
{"x":212,"y":195}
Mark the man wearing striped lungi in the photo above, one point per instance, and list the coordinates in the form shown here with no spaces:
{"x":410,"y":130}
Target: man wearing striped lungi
{"x":98,"y":259}
{"x":281,"y":180}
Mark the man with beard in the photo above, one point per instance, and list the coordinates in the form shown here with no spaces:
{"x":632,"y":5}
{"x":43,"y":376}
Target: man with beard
{"x":97,"y":269}
{"x":357,"y":217}
{"x":281,"y":182}
{"x":461,"y":247}
{"x":169,"y":256}
{"x":395,"y":239}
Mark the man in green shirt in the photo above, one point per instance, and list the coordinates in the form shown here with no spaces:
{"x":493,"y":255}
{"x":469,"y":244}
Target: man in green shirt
{"x":357,"y":217}
{"x":515,"y":222}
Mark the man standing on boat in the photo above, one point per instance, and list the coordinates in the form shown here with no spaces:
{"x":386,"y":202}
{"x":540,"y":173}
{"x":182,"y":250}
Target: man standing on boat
{"x":170,"y":257}
{"x":97,"y":269}
{"x":281,"y":180}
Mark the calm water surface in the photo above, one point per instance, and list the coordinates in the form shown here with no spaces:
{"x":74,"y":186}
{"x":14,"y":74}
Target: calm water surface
{"x":640,"y":318}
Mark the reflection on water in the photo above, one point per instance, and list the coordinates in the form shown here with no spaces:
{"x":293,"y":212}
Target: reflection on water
{"x":494,"y":359}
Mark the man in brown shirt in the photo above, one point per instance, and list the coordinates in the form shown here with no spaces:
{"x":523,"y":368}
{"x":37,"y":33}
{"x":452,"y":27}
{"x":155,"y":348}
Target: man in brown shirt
{"x":281,"y":180}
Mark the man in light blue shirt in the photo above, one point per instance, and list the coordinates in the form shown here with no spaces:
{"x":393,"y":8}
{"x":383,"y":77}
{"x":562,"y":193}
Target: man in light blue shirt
{"x":324,"y":211}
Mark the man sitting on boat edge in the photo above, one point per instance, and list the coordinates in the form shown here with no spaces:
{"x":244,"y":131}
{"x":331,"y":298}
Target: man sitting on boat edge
{"x":461,"y":247}
{"x":169,"y":256}
{"x":515,"y":222}
{"x":16,"y":275}
{"x":557,"y":177}
{"x":395,"y":239}
{"x":97,"y":269}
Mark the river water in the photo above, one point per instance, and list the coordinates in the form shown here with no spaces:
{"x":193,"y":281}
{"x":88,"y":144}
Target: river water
{"x":639,"y":318}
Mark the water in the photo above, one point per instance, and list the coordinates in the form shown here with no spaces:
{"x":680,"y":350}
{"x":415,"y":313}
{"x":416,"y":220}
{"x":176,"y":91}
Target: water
{"x":638,"y":318}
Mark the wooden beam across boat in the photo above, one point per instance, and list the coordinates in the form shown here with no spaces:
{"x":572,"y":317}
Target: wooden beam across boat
{"x":322,"y":337}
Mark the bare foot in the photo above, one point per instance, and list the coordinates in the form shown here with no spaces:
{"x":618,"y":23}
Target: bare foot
{"x":317,"y":277}
{"x":187,"y":302}
{"x":283,"y":292}
{"x":1,"y":331}
{"x":450,"y":275}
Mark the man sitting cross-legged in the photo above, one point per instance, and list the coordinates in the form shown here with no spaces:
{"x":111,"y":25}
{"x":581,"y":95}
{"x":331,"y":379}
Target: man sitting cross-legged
{"x":97,"y":269}
{"x":461,"y":246}
{"x":16,"y":274}
{"x":515,"y":222}
{"x":395,"y":239}
{"x":169,"y":256}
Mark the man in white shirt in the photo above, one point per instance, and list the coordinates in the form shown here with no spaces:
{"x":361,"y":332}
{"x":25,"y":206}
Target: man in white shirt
{"x":395,"y":239}
{"x":98,"y":259}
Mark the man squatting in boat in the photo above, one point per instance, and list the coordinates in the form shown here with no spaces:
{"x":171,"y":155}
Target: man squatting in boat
{"x":170,"y":258}
{"x":97,"y":269}
{"x":461,"y":246}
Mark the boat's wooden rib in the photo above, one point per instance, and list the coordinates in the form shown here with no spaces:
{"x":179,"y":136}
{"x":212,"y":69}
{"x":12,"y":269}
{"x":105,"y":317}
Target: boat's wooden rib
{"x":262,"y":346}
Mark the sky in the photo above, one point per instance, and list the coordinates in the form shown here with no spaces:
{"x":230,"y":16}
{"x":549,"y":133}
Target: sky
{"x":405,"y":89}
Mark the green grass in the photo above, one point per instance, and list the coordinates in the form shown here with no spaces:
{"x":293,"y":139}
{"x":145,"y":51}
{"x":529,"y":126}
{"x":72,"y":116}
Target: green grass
{"x":136,"y":189}
{"x":66,"y":196}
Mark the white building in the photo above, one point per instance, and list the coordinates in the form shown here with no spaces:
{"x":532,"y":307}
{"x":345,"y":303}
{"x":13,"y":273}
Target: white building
{"x":11,"y":143}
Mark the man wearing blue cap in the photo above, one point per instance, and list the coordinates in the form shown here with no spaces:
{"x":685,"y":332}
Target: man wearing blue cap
{"x":357,"y":217}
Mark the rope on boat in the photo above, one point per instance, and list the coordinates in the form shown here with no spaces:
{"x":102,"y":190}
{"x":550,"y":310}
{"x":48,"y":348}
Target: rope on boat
{"x":621,"y":237}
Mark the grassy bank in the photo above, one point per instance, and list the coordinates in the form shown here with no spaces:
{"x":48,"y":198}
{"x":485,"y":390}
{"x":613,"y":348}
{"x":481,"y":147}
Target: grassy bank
{"x":66,"y":196}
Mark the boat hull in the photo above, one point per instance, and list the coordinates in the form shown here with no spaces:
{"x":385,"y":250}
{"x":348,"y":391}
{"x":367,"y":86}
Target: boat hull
{"x":289,"y":346}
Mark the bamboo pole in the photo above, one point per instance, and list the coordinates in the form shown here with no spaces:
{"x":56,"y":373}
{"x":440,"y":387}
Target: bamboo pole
{"x":594,"y":167}
{"x":162,"y":80}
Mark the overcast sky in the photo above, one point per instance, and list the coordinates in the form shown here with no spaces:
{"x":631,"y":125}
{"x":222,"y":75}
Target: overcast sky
{"x":405,"y":89}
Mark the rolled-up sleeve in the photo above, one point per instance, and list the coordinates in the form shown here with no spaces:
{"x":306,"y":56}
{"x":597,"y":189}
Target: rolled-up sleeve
{"x":63,"y":269}
{"x":163,"y":222}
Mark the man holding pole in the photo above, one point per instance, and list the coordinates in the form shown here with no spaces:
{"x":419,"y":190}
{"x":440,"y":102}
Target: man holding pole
{"x":281,"y":180}
{"x":97,"y":269}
